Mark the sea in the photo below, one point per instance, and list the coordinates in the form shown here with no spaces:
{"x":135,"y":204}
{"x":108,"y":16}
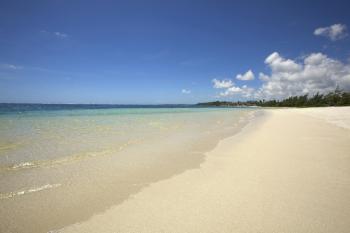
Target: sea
{"x":63,"y":163}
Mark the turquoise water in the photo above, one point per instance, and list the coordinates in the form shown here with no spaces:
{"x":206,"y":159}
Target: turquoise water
{"x":81,"y":158}
{"x":49,"y":137}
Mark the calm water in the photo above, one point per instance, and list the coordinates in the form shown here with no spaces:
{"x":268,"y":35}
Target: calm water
{"x":74,"y":161}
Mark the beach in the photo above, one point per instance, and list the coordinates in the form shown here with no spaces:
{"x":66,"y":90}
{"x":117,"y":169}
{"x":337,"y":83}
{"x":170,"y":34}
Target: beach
{"x":195,"y":170}
{"x":175,"y":117}
{"x":287,"y":171}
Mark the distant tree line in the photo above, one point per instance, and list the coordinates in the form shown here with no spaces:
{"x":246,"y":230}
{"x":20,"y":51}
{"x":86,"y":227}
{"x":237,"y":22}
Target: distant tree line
{"x":334,"y":98}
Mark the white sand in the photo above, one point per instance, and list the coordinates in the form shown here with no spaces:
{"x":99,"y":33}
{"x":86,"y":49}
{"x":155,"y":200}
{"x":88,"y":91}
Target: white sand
{"x":339,"y":116}
{"x":287,"y":173}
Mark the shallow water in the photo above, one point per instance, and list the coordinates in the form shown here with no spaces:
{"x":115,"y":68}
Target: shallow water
{"x":60,"y":166}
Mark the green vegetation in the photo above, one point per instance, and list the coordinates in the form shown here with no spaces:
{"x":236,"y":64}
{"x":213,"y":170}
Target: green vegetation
{"x":335,"y":98}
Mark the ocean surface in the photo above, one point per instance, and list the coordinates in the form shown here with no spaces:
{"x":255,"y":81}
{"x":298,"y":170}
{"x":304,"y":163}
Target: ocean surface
{"x":61,"y":164}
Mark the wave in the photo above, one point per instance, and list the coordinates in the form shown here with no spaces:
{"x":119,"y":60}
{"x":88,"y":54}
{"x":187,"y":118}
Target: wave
{"x":23,"y":165}
{"x":68,"y":159}
{"x":27,"y":191}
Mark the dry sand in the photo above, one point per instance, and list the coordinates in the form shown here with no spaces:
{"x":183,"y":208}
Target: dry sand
{"x":287,"y":172}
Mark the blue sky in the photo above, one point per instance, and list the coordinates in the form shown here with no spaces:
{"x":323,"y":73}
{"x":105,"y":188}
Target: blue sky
{"x":152,"y":52}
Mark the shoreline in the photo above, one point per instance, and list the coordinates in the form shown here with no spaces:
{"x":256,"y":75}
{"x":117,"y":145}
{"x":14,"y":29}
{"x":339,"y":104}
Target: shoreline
{"x":246,"y":124}
{"x":101,"y":182}
{"x":285,"y":173}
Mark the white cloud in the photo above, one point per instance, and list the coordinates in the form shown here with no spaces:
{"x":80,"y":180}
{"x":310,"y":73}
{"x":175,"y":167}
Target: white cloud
{"x":263,"y":77}
{"x":249,"y":75}
{"x":240,"y":92}
{"x":281,"y":65}
{"x":185,"y":91}
{"x":317,"y":73}
{"x":226,"y":83}
{"x":6,"y":66}
{"x":60,"y":34}
{"x":333,"y":32}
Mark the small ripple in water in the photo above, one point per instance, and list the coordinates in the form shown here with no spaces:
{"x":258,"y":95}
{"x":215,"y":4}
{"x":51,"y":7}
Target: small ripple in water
{"x":27,"y":191}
